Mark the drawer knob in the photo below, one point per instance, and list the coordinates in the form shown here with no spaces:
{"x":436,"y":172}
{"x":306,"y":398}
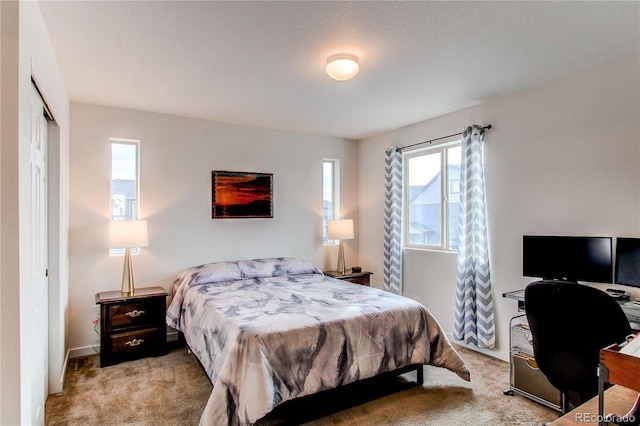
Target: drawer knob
{"x":134,"y":342}
{"x":134,"y":313}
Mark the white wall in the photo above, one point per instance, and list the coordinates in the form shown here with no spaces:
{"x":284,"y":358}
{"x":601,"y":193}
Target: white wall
{"x":562,"y":158}
{"x":9,"y":271}
{"x":177,"y":156}
{"x":26,"y":53}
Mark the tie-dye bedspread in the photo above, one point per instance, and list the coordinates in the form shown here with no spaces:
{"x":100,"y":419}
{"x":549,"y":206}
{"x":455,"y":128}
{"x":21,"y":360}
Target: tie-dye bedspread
{"x":270,"y":330}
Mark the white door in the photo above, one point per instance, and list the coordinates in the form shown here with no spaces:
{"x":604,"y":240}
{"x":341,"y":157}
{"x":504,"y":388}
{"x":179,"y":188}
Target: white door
{"x":39,"y":283}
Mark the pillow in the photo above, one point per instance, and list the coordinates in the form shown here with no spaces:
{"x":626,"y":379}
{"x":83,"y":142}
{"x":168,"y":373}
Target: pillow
{"x":297,"y":266}
{"x":275,"y":267}
{"x":217,"y":272}
{"x":244,"y":269}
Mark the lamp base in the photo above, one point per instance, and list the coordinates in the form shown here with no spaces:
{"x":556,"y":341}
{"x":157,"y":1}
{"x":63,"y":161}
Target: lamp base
{"x":341,"y":268}
{"x":128,"y":289}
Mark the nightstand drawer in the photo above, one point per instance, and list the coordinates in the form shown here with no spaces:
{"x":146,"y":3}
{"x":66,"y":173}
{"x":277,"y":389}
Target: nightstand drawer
{"x":359,"y":280}
{"x":138,"y":313}
{"x":136,"y":341}
{"x":361,"y":277}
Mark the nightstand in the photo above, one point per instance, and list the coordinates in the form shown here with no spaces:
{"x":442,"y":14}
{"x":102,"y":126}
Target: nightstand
{"x":353,"y":277}
{"x":132,"y":327}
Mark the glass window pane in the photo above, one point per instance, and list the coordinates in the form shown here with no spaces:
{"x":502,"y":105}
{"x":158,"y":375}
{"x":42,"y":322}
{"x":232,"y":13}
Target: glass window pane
{"x":327,"y":198}
{"x":424,"y":200}
{"x":453,"y":199}
{"x":124,"y":181}
{"x":124,"y":184}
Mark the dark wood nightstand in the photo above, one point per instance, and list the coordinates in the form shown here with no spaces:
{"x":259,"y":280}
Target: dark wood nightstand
{"x":353,"y":277}
{"x":132,"y":326}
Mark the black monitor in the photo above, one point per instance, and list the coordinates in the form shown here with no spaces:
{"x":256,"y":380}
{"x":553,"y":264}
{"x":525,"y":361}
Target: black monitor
{"x":567,"y":258}
{"x":628,"y":261}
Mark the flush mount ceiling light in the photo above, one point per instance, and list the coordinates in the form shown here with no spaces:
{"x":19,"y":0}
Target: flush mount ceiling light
{"x":342,"y":66}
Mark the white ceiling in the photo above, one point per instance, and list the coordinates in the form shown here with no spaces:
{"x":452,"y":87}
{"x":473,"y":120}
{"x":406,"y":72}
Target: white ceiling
{"x":262,"y":63}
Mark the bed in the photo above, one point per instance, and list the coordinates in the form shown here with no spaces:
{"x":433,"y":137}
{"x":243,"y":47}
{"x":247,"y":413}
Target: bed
{"x":270,"y":330}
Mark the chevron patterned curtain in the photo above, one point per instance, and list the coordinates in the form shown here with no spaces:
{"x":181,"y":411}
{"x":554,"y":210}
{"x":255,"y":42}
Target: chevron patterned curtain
{"x":474,"y":321}
{"x":393,"y":221}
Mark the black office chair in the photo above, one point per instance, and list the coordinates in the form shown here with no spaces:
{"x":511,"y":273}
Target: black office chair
{"x":569,"y":325}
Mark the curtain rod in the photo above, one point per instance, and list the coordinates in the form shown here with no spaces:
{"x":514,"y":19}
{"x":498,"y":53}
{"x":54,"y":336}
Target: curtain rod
{"x":402,"y":148}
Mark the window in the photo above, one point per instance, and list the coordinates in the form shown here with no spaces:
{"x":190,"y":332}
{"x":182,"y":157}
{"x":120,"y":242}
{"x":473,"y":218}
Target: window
{"x":432,"y":197}
{"x":330,"y":196}
{"x":124,"y":182}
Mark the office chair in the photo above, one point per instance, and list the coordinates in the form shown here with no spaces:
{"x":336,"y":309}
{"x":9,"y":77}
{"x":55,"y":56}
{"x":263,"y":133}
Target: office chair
{"x":569,"y":325}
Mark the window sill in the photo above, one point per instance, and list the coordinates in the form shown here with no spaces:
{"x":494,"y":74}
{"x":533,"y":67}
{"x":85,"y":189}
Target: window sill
{"x":429,"y":249}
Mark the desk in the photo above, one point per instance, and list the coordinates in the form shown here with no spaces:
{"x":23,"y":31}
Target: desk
{"x":622,"y":369}
{"x":518,"y":295}
{"x":531,"y":382}
{"x":618,"y":400}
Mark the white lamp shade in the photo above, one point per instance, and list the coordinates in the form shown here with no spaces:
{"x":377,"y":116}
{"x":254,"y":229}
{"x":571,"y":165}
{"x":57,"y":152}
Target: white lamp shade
{"x":342,"y":66}
{"x":128,"y":234}
{"x":341,"y":229}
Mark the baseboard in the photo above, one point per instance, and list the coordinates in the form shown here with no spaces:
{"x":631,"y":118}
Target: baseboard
{"x":493,"y":353}
{"x":172,"y":335}
{"x":84,"y":351}
{"x":65,"y":365}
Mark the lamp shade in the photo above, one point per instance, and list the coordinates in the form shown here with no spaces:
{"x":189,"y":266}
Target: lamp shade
{"x":128,"y":233}
{"x":341,"y":229}
{"x":342,"y":66}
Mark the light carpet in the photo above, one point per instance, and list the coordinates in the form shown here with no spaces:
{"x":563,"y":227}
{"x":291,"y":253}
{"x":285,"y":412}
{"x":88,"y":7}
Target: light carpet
{"x":173,"y":390}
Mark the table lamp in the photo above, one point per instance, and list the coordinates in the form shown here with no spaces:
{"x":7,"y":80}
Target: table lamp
{"x":127,"y":234}
{"x":341,"y":230}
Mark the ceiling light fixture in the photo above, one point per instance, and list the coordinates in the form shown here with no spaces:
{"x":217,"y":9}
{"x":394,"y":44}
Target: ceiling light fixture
{"x":342,"y":66}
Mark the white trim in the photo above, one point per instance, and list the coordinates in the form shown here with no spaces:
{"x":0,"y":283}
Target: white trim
{"x":443,"y":149}
{"x":172,"y":334}
{"x":335,"y":194}
{"x":59,"y":386}
{"x":84,"y":351}
{"x":484,"y":351}
{"x":137,"y":144}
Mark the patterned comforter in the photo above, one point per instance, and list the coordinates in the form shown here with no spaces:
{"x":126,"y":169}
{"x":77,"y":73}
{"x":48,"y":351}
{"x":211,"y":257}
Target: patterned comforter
{"x":270,"y":330}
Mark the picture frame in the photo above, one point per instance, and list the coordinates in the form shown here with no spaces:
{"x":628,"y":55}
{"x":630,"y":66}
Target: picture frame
{"x":241,"y":195}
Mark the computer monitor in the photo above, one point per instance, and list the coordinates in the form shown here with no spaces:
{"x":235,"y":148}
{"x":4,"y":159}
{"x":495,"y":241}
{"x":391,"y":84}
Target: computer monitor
{"x":567,"y":258}
{"x":628,"y":261}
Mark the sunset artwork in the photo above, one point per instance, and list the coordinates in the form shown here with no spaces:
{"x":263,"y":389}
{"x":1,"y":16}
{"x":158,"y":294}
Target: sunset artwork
{"x":241,"y":195}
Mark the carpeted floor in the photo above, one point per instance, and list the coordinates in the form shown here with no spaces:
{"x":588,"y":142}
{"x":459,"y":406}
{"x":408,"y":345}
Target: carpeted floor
{"x":173,"y":390}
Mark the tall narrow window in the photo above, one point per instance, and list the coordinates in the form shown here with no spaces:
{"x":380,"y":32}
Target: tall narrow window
{"x":124,"y":181}
{"x":432,"y":197}
{"x":330,"y":196}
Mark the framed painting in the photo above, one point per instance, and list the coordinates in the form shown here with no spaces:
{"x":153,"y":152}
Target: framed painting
{"x":241,"y":195}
